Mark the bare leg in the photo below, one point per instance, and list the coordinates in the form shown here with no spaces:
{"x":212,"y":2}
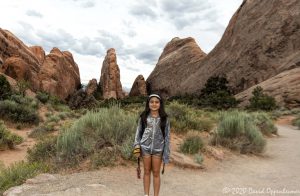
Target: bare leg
{"x":156,"y":163}
{"x":147,"y":172}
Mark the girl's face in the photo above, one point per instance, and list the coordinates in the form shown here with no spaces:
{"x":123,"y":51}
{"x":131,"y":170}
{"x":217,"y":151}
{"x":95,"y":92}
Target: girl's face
{"x":154,"y":104}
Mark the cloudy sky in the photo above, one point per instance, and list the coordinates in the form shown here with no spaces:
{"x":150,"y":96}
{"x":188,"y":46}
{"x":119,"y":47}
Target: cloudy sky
{"x":137,"y":29}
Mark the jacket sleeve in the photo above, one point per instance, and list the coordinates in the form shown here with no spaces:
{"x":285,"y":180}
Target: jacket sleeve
{"x":138,"y":133}
{"x":166,"y":153}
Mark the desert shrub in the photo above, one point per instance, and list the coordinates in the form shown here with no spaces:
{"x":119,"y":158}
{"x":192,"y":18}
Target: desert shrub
{"x":53,"y":118}
{"x":43,"y":97}
{"x":191,"y":145}
{"x":133,"y":100}
{"x":43,"y":129}
{"x":18,"y":112}
{"x":5,"y":89}
{"x":105,"y":157}
{"x":183,"y":118}
{"x":18,"y":173}
{"x":261,"y":101}
{"x":8,"y":139}
{"x":22,"y":86}
{"x":296,"y":122}
{"x":107,"y":126}
{"x":126,"y":148}
{"x":192,"y":100}
{"x":264,"y":122}
{"x":25,"y":101}
{"x":238,"y":131}
{"x":199,"y":158}
{"x":43,"y":151}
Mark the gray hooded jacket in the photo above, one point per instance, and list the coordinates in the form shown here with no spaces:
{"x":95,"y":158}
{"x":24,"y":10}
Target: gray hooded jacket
{"x":152,"y":141}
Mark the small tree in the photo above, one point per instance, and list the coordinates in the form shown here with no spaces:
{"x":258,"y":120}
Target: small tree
{"x":217,"y":94}
{"x":5,"y":89}
{"x":261,"y":101}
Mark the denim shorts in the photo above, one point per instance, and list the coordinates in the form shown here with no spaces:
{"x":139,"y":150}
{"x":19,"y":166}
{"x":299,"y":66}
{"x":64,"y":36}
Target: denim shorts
{"x":146,"y":153}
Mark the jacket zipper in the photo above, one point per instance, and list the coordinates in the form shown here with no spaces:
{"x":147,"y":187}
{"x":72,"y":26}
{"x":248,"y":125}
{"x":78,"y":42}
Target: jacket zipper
{"x":153,"y":136}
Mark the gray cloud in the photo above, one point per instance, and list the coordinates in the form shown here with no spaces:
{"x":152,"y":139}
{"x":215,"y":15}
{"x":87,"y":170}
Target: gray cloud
{"x":109,"y":40}
{"x":128,"y":28}
{"x":187,"y":12}
{"x":61,"y":39}
{"x":184,"y":6}
{"x":88,"y":4}
{"x":132,"y":69}
{"x":85,"y":3}
{"x":143,"y":11}
{"x":148,"y":53}
{"x":96,"y":46}
{"x":34,"y":13}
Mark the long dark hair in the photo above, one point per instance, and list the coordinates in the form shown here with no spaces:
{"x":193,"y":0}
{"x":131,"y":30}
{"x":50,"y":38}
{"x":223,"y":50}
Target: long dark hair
{"x":162,"y":114}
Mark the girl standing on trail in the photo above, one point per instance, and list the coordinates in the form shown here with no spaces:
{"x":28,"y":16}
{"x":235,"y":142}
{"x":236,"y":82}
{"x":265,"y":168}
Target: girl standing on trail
{"x":152,"y":139}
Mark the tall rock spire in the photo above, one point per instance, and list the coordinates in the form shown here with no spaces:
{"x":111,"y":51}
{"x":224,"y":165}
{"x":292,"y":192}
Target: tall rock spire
{"x":110,"y":77}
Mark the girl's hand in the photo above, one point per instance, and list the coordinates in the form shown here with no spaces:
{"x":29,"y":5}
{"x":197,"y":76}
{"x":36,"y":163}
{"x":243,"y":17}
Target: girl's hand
{"x":137,"y":151}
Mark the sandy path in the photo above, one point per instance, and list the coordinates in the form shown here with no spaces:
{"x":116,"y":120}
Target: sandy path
{"x":277,"y":170}
{"x":7,"y":157}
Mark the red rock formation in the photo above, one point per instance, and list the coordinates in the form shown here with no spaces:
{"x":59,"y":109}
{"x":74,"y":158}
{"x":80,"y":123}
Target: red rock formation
{"x":91,"y":87}
{"x":18,"y":60}
{"x":179,"y":60}
{"x":110,"y":77}
{"x":284,"y":87}
{"x":39,"y":52}
{"x":57,"y":73}
{"x":261,"y":41}
{"x":139,"y":87}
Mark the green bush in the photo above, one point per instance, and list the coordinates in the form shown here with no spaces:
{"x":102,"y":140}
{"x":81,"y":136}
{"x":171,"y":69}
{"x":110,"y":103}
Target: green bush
{"x":217,"y":94}
{"x":18,"y":173}
{"x":18,"y":112}
{"x":177,"y":111}
{"x":105,"y":157}
{"x":111,"y":125}
{"x":25,"y":101}
{"x":296,"y":122}
{"x":192,"y":100}
{"x":183,"y":118}
{"x":43,"y":129}
{"x":220,"y":100}
{"x":261,"y":101}
{"x":8,"y":139}
{"x":191,"y":145}
{"x":5,"y":89}
{"x":126,"y":148}
{"x":238,"y":131}
{"x":43,"y":97}
{"x":53,"y":118}
{"x":44,"y":150}
{"x":22,"y":86}
{"x":264,"y":123}
{"x":199,"y":158}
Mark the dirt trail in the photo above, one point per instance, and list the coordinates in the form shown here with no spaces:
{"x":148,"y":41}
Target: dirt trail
{"x":7,"y":157}
{"x":278,"y":170}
